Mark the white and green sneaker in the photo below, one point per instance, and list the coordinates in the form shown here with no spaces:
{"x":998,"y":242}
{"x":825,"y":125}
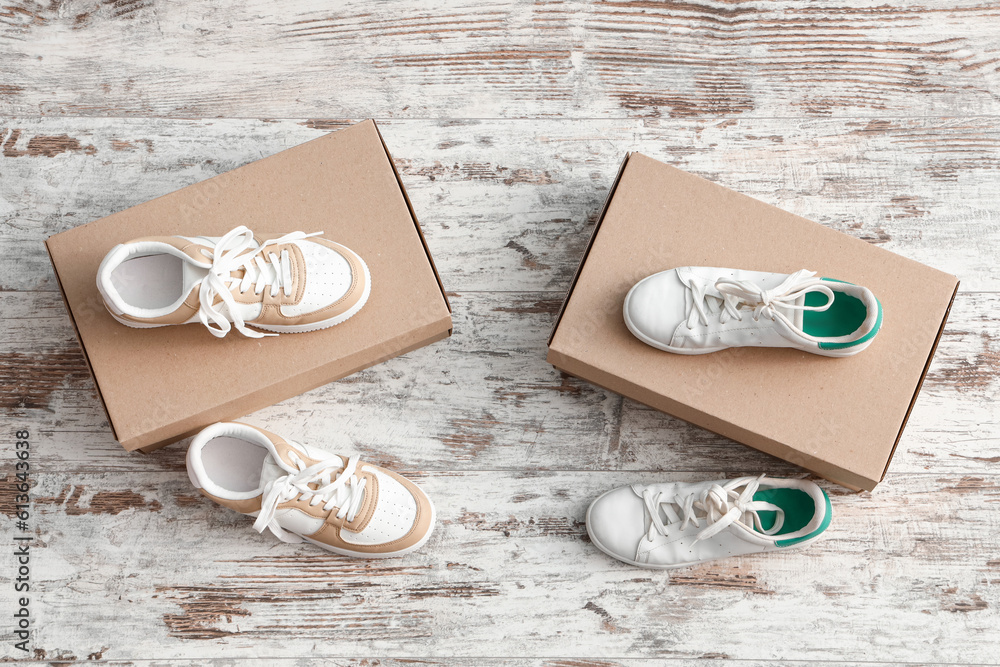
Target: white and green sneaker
{"x":665,"y":526}
{"x":700,"y":309}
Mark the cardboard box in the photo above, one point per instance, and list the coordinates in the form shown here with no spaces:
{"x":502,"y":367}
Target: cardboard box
{"x":161,"y":385}
{"x":840,"y":418}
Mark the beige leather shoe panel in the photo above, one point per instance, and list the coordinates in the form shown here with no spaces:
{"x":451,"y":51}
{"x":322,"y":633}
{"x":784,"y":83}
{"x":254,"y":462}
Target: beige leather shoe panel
{"x":189,"y":248}
{"x":330,"y":532}
{"x":368,"y":505}
{"x":242,"y":506}
{"x":272,"y":303}
{"x":350,"y":299}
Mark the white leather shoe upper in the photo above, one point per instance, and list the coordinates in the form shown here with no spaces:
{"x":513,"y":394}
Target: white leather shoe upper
{"x":697,"y":309}
{"x":678,"y":524}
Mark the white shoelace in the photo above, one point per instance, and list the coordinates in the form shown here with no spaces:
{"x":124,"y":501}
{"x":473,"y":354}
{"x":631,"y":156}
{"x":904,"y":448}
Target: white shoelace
{"x":345,"y":492}
{"x":720,"y":506}
{"x":258,"y":270}
{"x":735,"y":293}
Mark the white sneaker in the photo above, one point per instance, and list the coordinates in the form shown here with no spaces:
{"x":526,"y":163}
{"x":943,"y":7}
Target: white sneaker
{"x":281,"y":283}
{"x":303,"y":494}
{"x":672,"y":525}
{"x":700,"y":309}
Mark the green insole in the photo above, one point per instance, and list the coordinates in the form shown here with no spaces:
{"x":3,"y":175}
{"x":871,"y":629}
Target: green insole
{"x":798,"y":506}
{"x":842,"y":318}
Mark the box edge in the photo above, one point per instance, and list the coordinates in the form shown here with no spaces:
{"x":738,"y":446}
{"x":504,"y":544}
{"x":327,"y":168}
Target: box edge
{"x":79,"y":341}
{"x":435,"y":331}
{"x":849,"y":479}
{"x":590,"y":244}
{"x":413,"y":215}
{"x":923,"y":375}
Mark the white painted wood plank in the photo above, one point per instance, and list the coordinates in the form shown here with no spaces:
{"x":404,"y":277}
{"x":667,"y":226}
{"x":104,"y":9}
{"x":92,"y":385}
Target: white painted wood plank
{"x":512,"y":58}
{"x":509,"y":206}
{"x":132,"y":564}
{"x":482,"y":662}
{"x":485,"y":399}
{"x":138,"y":565}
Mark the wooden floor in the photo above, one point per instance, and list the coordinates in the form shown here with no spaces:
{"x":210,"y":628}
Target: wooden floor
{"x":508,"y":120}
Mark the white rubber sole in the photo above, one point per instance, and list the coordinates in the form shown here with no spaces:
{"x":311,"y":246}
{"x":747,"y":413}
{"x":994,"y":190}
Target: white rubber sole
{"x":136,"y":325}
{"x":391,"y":554}
{"x":679,"y":566}
{"x":301,"y":328}
{"x":843,"y":352}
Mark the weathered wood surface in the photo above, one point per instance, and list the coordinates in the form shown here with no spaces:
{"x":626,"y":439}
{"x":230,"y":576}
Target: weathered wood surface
{"x":508,"y":121}
{"x":485,"y":399}
{"x":515,"y":58}
{"x":458,"y":662}
{"x":509,"y":571}
{"x":511,"y":450}
{"x":509,"y":205}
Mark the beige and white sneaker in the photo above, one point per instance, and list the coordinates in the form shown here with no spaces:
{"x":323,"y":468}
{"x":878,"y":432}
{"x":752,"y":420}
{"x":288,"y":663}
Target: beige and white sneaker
{"x":287,"y":283}
{"x":306,"y":494}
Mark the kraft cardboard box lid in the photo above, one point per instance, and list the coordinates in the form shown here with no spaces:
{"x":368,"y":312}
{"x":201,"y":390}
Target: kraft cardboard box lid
{"x":841,"y":417}
{"x":158,"y":385}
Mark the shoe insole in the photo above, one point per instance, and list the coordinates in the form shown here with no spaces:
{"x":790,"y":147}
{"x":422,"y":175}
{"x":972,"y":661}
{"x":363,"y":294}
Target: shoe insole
{"x":842,"y":318}
{"x":233,"y":464}
{"x":798,"y":506}
{"x":151,"y":282}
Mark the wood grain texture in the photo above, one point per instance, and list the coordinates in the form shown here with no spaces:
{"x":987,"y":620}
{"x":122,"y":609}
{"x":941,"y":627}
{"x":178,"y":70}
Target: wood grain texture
{"x":485,"y":399}
{"x":508,"y":121}
{"x":509,"y":206}
{"x":453,"y":662}
{"x":509,"y":571}
{"x":514,"y":58}
{"x":511,"y":450}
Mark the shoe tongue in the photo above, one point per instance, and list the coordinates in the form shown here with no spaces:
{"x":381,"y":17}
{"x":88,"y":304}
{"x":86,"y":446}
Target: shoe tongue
{"x":270,"y":471}
{"x":191,"y":274}
{"x":793,"y":314}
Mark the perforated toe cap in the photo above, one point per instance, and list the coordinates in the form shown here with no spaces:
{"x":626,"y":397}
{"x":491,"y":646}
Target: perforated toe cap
{"x":394,"y":516}
{"x":328,"y":279}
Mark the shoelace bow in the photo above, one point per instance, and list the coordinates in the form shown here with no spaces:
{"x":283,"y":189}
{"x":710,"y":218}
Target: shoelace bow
{"x":720,"y":506}
{"x":259,"y":270}
{"x":345,"y":492}
{"x":738,"y":292}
